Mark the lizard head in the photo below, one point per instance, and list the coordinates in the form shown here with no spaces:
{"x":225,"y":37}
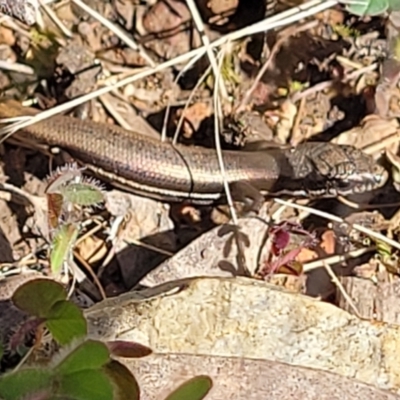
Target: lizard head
{"x":328,"y":170}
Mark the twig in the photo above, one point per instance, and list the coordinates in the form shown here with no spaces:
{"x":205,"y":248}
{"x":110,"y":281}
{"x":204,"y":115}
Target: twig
{"x":109,"y":106}
{"x":53,"y":16}
{"x":268,"y":62}
{"x":336,"y":281}
{"x":114,"y":29}
{"x":358,"y":206}
{"x":217,"y":120}
{"x":92,"y":274}
{"x":192,"y":93}
{"x":331,"y":217}
{"x":336,"y":259}
{"x":281,"y":19}
{"x":167,"y":112}
{"x":16,"y":67}
{"x":206,"y":44}
{"x":319,"y":87}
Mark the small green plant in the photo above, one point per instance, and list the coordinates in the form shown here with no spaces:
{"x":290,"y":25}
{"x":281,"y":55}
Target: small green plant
{"x":46,"y":301}
{"x":68,"y":194}
{"x":296,"y":86}
{"x":80,"y":374}
{"x":83,"y":369}
{"x":346,"y":31}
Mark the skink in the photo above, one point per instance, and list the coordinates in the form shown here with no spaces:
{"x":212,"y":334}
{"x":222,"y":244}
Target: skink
{"x":162,"y":171}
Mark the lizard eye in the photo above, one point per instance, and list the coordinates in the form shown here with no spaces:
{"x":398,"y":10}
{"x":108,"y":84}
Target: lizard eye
{"x":344,"y":186}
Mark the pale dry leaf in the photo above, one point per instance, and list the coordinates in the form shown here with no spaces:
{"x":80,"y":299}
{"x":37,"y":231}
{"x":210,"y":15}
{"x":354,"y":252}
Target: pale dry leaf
{"x":23,"y":10}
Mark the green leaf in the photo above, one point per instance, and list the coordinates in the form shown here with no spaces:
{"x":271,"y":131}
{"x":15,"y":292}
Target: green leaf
{"x":196,"y":388}
{"x":89,"y":355}
{"x":394,"y":5}
{"x":38,"y":296}
{"x":30,"y":381}
{"x":83,"y":193}
{"x":62,"y":245}
{"x":86,"y":385}
{"x":368,"y":7}
{"x":81,"y":374}
{"x":66,"y":322}
{"x":125,"y":384}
